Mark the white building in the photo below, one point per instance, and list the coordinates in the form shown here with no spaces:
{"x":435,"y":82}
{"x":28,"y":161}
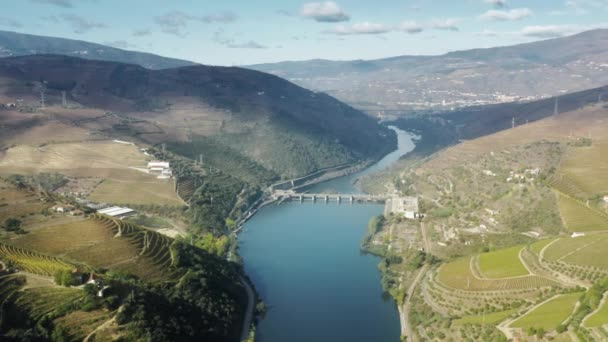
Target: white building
{"x":158,"y":164}
{"x":117,"y":212}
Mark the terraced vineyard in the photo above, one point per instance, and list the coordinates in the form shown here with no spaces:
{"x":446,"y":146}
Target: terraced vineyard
{"x":186,"y":187}
{"x":504,"y":263}
{"x":586,"y":168}
{"x":491,"y":318}
{"x":580,"y":218}
{"x":104,"y":242}
{"x":550,"y":314}
{"x":458,"y":275}
{"x":80,"y":323}
{"x":538,"y":246}
{"x":585,"y":250}
{"x":36,"y":303}
{"x":33,"y":262}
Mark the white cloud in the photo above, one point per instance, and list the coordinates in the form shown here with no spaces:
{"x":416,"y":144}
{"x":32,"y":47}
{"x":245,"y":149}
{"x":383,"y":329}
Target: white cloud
{"x":141,"y":32}
{"x":497,"y":3}
{"x":175,"y":22}
{"x":548,"y":31}
{"x":247,"y":45}
{"x":411,"y":27}
{"x":220,"y":17}
{"x":80,"y":24}
{"x":359,"y":28}
{"x":328,"y":12}
{"x":508,"y":15}
{"x":446,"y":24}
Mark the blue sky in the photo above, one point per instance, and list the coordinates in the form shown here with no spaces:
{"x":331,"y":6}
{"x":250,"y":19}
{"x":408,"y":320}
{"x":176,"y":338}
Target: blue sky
{"x":237,"y":32}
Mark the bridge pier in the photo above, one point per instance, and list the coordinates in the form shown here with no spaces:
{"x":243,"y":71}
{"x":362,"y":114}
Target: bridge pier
{"x":326,"y":199}
{"x":301,"y":198}
{"x":339,"y":199}
{"x":352,"y":199}
{"x":314,"y":198}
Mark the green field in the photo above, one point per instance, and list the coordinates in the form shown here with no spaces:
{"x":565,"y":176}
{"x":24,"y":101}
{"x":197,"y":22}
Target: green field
{"x":585,"y":250}
{"x":539,"y":245}
{"x":586,"y":167}
{"x":33,"y":262}
{"x":138,"y":189}
{"x":580,"y":218}
{"x":550,"y":314}
{"x":503,"y":263}
{"x":457,"y":275}
{"x":491,"y":318}
{"x":599,"y":318}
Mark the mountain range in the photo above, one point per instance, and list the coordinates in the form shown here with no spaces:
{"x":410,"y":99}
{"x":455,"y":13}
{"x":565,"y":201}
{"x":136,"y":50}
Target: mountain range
{"x":405,"y":84}
{"x":239,"y":120}
{"x":20,"y":44}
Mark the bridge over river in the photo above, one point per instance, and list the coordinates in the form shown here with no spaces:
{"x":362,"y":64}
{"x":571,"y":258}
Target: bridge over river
{"x":283,"y":195}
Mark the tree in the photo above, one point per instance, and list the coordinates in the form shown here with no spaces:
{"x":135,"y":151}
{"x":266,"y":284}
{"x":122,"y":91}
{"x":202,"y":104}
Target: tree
{"x":64,"y":278}
{"x":12,"y":224}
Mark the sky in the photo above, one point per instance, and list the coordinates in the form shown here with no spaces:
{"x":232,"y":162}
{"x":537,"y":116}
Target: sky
{"x":241,"y":32}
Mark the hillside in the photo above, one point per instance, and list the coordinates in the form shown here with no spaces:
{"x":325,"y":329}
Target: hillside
{"x":20,"y":44}
{"x":146,"y":286}
{"x":508,"y":246}
{"x":260,"y":122}
{"x":448,"y":128}
{"x":394,"y":86}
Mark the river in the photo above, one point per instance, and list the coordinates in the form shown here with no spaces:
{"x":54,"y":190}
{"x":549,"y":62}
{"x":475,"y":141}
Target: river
{"x":304,"y":260}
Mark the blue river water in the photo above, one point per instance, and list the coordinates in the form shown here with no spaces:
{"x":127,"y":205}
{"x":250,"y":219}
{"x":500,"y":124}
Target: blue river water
{"x":305,"y":261}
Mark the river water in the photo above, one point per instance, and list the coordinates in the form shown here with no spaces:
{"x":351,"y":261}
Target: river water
{"x":304,"y":260}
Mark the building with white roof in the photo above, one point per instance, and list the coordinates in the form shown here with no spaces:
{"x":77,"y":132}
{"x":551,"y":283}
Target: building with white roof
{"x":117,"y":212}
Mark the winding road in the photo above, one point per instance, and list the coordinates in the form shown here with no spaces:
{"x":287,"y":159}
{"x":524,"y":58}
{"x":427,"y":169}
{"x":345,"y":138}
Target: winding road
{"x":249,"y":311}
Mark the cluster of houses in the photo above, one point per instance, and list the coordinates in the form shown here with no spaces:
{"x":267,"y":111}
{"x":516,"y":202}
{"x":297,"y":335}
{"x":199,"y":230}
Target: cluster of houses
{"x":67,"y":209}
{"x":10,"y":105}
{"x":527,"y":175}
{"x":160,"y":168}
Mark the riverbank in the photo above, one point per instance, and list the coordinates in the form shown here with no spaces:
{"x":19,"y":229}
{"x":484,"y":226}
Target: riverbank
{"x":334,"y":233}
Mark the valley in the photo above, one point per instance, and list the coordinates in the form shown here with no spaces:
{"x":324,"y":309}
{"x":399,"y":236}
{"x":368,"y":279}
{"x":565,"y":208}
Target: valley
{"x":461,"y":196}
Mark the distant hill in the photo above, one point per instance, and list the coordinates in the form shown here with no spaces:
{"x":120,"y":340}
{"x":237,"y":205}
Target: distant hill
{"x":398,"y":85}
{"x":255,"y":125}
{"x":443,"y":129}
{"x":20,"y":44}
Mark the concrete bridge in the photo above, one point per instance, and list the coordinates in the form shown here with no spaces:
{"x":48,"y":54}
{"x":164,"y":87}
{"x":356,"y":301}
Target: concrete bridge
{"x":326,"y":198}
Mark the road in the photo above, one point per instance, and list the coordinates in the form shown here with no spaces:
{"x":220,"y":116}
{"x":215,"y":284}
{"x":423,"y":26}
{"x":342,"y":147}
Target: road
{"x":406,"y":328}
{"x":248,"y":312}
{"x":427,"y":243}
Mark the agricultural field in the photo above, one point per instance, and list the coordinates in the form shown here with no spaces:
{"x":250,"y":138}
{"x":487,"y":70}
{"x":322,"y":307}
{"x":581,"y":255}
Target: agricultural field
{"x":491,"y":318}
{"x":139,"y":190}
{"x":503,"y":263}
{"x":586,"y":167}
{"x":580,"y":218}
{"x":118,"y":167}
{"x":102,"y":242}
{"x":585,"y":251}
{"x":80,"y":323}
{"x":538,"y":246}
{"x":41,"y":301}
{"x":33,"y":262}
{"x":458,"y":275}
{"x":19,"y":204}
{"x":549,"y":315}
{"x":599,"y":318}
